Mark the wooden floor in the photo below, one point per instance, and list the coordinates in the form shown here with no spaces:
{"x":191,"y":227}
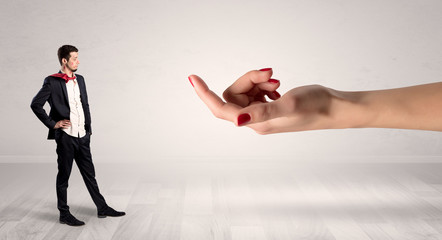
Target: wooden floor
{"x":228,"y":201}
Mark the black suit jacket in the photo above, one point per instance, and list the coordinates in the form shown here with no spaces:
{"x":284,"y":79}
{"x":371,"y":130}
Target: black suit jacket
{"x":55,"y":93}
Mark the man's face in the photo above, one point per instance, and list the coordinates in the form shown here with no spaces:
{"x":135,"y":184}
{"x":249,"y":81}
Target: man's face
{"x":73,"y":62}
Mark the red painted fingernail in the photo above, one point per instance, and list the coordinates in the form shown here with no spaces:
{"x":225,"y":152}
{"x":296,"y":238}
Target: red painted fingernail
{"x":277,"y":94}
{"x":243,"y":118}
{"x":190,"y":80}
{"x":265,"y":69}
{"x":273,"y":80}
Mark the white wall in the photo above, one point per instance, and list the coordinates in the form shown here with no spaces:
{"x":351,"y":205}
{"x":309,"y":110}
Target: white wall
{"x":136,"y":57}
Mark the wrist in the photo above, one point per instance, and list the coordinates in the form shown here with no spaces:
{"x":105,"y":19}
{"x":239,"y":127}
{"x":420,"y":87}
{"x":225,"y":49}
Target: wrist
{"x":352,"y":110}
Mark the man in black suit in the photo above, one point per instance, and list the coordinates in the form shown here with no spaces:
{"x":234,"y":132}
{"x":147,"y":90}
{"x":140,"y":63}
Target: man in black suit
{"x":69,"y":123}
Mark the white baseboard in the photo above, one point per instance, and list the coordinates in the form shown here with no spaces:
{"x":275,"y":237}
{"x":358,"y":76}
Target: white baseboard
{"x":231,"y":159}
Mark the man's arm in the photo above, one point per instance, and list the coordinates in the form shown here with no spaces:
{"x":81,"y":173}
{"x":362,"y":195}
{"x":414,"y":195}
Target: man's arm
{"x":85,"y":104}
{"x":39,"y":101}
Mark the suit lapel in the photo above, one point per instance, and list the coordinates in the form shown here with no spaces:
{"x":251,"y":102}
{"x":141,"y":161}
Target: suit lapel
{"x":65,"y":91}
{"x":80,"y":86}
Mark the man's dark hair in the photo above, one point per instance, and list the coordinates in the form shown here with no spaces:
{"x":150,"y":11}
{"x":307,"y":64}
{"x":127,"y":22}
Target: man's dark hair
{"x":65,"y":52}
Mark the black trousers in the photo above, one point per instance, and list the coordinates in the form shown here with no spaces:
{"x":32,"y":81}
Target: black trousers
{"x":68,"y":149}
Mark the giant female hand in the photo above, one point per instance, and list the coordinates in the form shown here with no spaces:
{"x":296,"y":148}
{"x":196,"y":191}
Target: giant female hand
{"x":317,"y":107}
{"x":303,"y":108}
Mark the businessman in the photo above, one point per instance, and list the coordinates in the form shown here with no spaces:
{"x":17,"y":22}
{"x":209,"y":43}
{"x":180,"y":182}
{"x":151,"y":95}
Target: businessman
{"x":69,"y":123}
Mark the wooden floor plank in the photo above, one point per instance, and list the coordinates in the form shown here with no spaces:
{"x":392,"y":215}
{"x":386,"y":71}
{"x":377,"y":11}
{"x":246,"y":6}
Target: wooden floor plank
{"x":368,"y":202}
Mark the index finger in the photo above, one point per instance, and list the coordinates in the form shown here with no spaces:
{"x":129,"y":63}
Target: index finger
{"x":247,"y":81}
{"x":217,"y":106}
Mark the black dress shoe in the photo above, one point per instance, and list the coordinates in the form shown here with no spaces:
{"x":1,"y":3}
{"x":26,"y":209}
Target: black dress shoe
{"x":70,"y":220}
{"x":110,"y":212}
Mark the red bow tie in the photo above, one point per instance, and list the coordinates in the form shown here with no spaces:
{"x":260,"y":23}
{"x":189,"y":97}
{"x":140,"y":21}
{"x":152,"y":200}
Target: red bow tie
{"x":64,"y":76}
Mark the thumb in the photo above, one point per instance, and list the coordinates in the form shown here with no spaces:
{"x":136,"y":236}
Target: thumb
{"x":262,"y":112}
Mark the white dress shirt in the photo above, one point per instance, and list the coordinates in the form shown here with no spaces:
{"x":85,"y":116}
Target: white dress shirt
{"x":77,"y":115}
